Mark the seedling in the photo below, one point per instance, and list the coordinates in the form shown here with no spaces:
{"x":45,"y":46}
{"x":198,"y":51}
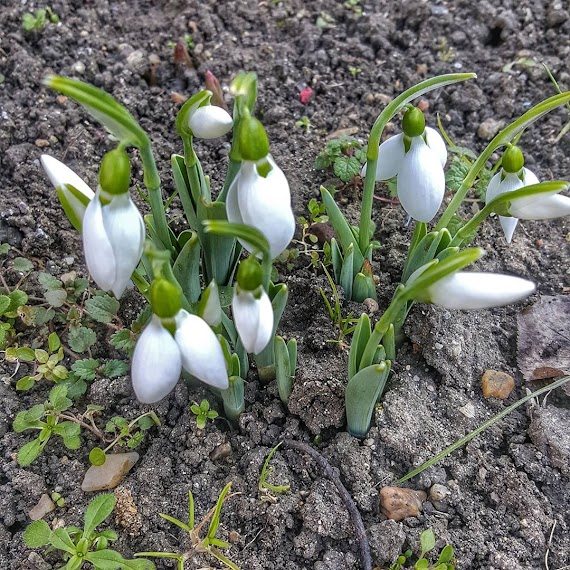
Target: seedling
{"x":81,"y":545}
{"x":39,"y":20}
{"x":445,"y":560}
{"x":345,"y":154}
{"x":304,"y":123}
{"x":124,"y":434}
{"x":46,"y":419}
{"x":58,"y":499}
{"x":345,"y":325}
{"x":207,"y":545}
{"x":268,"y":488}
{"x":203,"y":413}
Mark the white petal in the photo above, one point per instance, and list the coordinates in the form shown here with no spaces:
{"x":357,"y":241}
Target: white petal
{"x":156,"y":365}
{"x":124,"y":227}
{"x":508,"y":225}
{"x":253,"y":319}
{"x":60,"y":175}
{"x":437,"y":144}
{"x":99,"y":254}
{"x":265,"y":204}
{"x":421,"y":182}
{"x":390,"y":156}
{"x":466,"y":290}
{"x":202,"y":354}
{"x":232,"y":206}
{"x":213,"y":310}
{"x":529,"y":178}
{"x":210,"y":122}
{"x":541,"y":208}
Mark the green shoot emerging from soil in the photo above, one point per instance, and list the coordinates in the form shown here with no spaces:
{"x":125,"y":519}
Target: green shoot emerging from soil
{"x":445,"y":560}
{"x":85,"y":545}
{"x":203,"y":413}
{"x":210,"y":544}
{"x":39,"y":20}
{"x":264,"y":486}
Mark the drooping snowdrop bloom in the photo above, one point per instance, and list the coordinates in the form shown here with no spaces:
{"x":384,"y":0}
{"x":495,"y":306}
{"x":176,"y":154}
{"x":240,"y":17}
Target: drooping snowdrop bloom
{"x":73,"y":193}
{"x":512,"y":176}
{"x":113,"y":228}
{"x":210,"y":122}
{"x":173,"y":341}
{"x":251,"y":308}
{"x":417,"y":157}
{"x":540,"y":207}
{"x":473,"y":290}
{"x":259,"y":195}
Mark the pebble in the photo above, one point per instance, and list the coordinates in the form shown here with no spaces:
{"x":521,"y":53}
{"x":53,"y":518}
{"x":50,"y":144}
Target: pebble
{"x":111,"y":473}
{"x":79,"y":67}
{"x":45,"y":505}
{"x":221,"y":452}
{"x":489,"y":128}
{"x":438,"y":345}
{"x":399,"y":504}
{"x":37,"y":562}
{"x":497,"y":384}
{"x":438,"y":492}
{"x":42,"y":143}
{"x":468,"y":410}
{"x":371,"y":305}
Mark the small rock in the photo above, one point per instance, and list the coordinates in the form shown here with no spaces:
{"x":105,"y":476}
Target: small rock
{"x":111,"y":473}
{"x":371,"y":305}
{"x":79,"y":67}
{"x":221,"y":452}
{"x":423,"y":105}
{"x":42,"y":143}
{"x":137,"y":61}
{"x":37,"y":562}
{"x":45,"y":505}
{"x":468,"y":410}
{"x":439,"y":492}
{"x":489,"y":128}
{"x":399,"y":504}
{"x":497,"y":384}
{"x":61,"y":99}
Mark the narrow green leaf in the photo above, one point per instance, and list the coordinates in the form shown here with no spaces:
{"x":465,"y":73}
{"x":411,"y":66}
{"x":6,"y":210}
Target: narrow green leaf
{"x":62,"y":541}
{"x":361,"y":395}
{"x":30,"y":452}
{"x":359,"y":340}
{"x":283,"y":374}
{"x":347,"y":272}
{"x":97,"y":511}
{"x":342,"y":228}
{"x":233,"y":398}
{"x":186,"y":269}
{"x":215,"y":522}
{"x":104,"y":108}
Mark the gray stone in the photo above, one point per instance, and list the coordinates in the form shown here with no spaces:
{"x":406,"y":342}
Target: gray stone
{"x":45,"y":505}
{"x":550,"y":431}
{"x":386,"y":541}
{"x":111,"y":473}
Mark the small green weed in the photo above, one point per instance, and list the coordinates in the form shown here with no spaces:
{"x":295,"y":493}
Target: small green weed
{"x":80,"y":545}
{"x":345,"y":154}
{"x":203,"y":413}
{"x":39,"y":20}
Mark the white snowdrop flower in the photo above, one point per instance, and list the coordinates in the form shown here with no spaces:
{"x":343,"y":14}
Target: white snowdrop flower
{"x":75,"y":200}
{"x":512,"y":176}
{"x":251,"y":307}
{"x":253,"y":317}
{"x":113,"y":232}
{"x":262,"y":200}
{"x":156,"y":364}
{"x":113,"y":240}
{"x":210,"y":122}
{"x":473,"y":290}
{"x":540,"y":207}
{"x":202,"y":354}
{"x":417,"y":157}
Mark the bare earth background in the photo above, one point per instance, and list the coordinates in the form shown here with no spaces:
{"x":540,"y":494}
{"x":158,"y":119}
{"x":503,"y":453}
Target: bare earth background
{"x":506,"y":493}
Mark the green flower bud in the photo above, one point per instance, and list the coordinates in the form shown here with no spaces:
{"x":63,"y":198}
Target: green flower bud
{"x":252,"y":138}
{"x":164,"y":299}
{"x":115,"y":172}
{"x":513,"y":159}
{"x":413,"y":123}
{"x":249,"y":275}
